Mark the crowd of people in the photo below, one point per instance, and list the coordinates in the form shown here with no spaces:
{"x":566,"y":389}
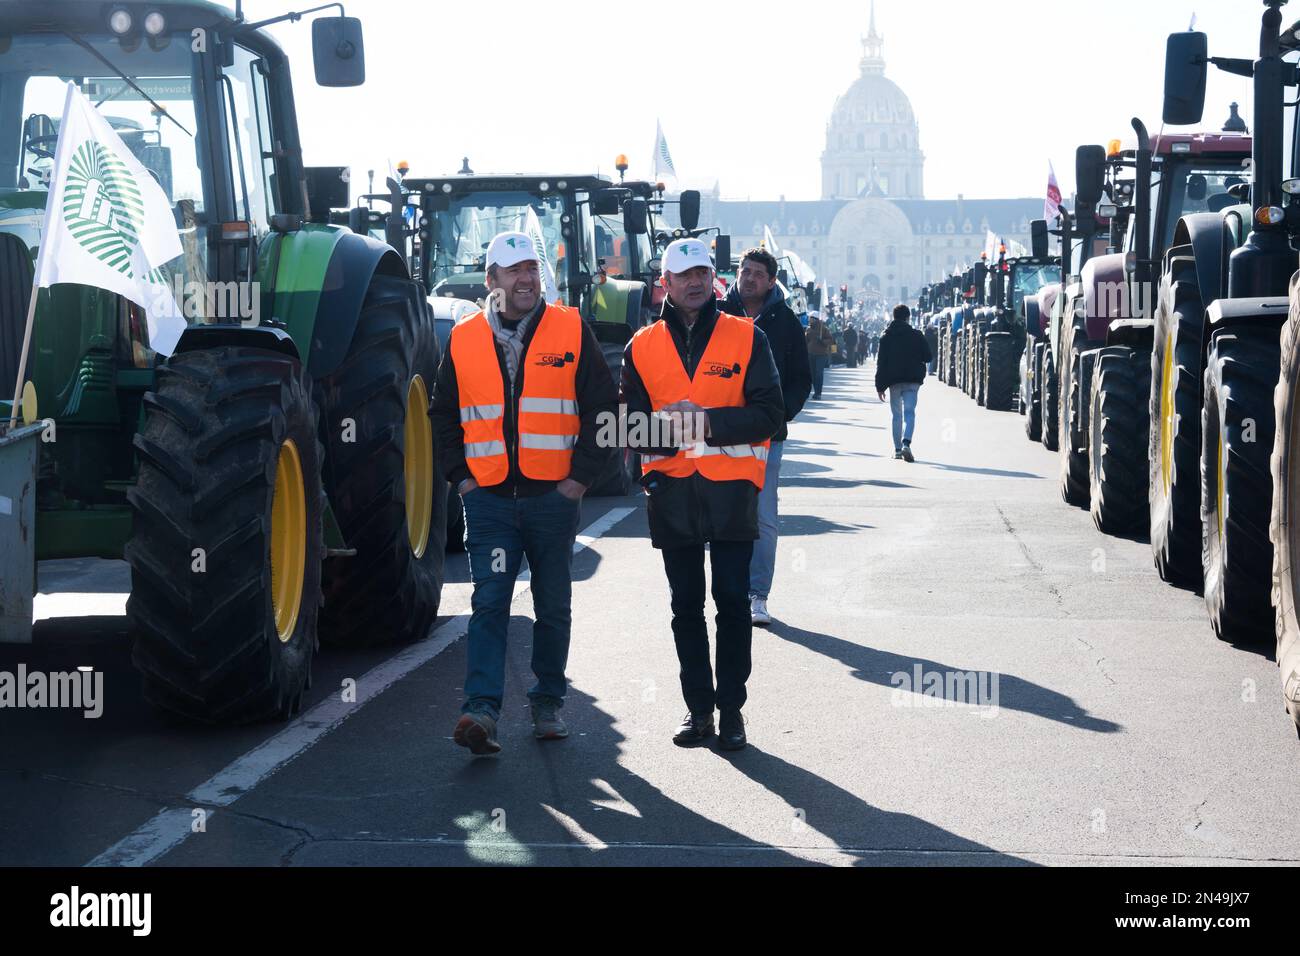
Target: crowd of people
{"x":708,"y":391}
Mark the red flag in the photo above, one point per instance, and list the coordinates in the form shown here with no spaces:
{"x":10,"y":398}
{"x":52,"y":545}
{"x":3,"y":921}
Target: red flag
{"x":1052,"y":204}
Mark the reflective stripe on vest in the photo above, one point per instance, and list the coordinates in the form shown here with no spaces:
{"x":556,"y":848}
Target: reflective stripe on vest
{"x":548,"y":422}
{"x":719,"y":382}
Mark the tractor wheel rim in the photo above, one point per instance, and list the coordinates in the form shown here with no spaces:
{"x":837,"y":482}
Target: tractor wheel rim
{"x":1167,"y":417}
{"x":288,"y":541}
{"x":418,"y":466}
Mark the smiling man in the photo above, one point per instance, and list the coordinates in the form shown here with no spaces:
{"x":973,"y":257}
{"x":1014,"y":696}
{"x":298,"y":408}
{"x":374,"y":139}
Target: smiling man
{"x":521,"y":387}
{"x":710,"y":375}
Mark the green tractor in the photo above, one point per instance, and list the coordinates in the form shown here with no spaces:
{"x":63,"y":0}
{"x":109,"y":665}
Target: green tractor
{"x":1010,"y":282}
{"x":272,"y":482}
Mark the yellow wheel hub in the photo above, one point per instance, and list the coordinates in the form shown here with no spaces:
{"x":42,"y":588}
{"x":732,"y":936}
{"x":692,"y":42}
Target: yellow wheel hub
{"x":1167,"y":417}
{"x":288,"y":540}
{"x":418,"y":466}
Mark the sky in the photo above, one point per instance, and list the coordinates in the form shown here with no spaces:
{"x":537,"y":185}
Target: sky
{"x":744,"y":89}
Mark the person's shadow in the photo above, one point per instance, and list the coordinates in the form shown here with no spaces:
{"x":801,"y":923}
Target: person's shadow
{"x":897,"y":671}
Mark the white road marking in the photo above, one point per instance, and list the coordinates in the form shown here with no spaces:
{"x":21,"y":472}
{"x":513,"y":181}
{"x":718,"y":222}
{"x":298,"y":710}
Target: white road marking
{"x":170,"y":827}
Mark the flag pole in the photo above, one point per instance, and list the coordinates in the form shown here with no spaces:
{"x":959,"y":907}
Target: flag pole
{"x":22,"y":356}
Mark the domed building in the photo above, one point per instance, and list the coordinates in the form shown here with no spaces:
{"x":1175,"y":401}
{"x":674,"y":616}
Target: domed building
{"x":872,"y":140}
{"x":873,"y":229}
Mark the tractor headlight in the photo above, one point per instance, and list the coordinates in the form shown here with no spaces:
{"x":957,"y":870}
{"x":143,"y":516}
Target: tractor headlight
{"x":120,"y":22}
{"x":154,"y":23}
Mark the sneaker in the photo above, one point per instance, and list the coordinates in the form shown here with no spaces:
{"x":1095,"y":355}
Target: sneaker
{"x":547,"y":724}
{"x":758,"y":612}
{"x":478,"y":732}
{"x":898,"y":455}
{"x":907,"y":453}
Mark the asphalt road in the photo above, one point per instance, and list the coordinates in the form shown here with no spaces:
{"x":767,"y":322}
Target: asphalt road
{"x":1087,"y":714}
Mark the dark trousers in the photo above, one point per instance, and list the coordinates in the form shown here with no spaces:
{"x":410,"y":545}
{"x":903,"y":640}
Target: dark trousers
{"x":685,"y":567}
{"x":819,"y":363}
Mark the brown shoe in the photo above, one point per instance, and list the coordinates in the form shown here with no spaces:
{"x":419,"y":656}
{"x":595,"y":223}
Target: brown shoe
{"x":478,"y":732}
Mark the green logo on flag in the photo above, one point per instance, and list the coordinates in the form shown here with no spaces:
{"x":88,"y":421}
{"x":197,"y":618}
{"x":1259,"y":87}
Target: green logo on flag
{"x":103,"y":207}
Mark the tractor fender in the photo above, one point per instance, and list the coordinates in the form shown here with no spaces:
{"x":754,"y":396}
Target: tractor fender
{"x":1105,"y":294}
{"x":198,"y":337}
{"x":1138,"y":334}
{"x":323,"y":274}
{"x":1271,"y":312}
{"x":1208,"y":235}
{"x":1067,"y":312}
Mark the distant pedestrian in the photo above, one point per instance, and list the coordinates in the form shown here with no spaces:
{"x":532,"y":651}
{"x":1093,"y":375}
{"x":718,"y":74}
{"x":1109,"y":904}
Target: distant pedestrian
{"x":821,"y":345}
{"x":851,"y":347}
{"x":900,"y":369}
{"x":757,"y":296}
{"x":515,"y":410}
{"x":710,"y":377}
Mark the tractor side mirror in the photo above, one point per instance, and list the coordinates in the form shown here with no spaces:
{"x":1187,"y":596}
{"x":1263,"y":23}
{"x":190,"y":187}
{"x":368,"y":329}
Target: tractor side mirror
{"x":634,"y":217}
{"x":1038,"y":238}
{"x":1089,"y":174}
{"x":690,"y":209}
{"x":339,"y":51}
{"x":1186,"y":63}
{"x":328,"y":187}
{"x":722,"y":253}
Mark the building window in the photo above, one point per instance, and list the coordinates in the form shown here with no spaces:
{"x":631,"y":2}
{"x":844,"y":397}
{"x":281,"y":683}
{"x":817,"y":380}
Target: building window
{"x":851,"y":255}
{"x":871,"y":255}
{"x":891,"y":255}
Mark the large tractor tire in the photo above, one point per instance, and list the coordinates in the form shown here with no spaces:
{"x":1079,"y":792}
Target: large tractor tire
{"x":381,"y":474}
{"x":227,"y":539}
{"x":1048,"y":390}
{"x":1034,"y":410}
{"x":1236,"y":487}
{"x":950,"y":372}
{"x":1175,"y":442}
{"x":1071,"y":436}
{"x":615,"y":480}
{"x":1284,"y":523}
{"x":1001,"y":371}
{"x":1117,"y":443}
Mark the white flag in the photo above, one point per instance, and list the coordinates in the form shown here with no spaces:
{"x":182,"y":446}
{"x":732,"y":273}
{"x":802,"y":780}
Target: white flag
{"x":533,"y":227}
{"x":108,"y":223}
{"x":1052,"y":204}
{"x":769,"y":242}
{"x":663,"y":160}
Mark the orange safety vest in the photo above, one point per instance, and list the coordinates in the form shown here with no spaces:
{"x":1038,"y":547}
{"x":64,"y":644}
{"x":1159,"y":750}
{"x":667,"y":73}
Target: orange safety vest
{"x":719,"y":382}
{"x":548,"y":424}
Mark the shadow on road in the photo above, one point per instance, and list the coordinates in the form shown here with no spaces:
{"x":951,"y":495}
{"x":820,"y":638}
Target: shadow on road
{"x":989,"y":472}
{"x":811,"y":525}
{"x":880,"y":667}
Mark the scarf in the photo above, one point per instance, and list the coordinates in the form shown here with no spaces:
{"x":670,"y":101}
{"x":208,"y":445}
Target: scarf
{"x":511,"y":341}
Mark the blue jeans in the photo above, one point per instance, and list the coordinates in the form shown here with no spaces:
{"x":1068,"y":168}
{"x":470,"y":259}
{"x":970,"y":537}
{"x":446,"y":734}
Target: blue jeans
{"x":902,"y":402}
{"x":499,"y":533}
{"x":819,"y":366}
{"x":763,"y":564}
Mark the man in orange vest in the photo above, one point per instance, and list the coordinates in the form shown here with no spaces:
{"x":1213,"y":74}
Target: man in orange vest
{"x":515,"y":411}
{"x":704,"y":389}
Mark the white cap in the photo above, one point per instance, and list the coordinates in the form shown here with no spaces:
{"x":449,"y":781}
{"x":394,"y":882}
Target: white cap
{"x":510,"y":248}
{"x":686,"y":254}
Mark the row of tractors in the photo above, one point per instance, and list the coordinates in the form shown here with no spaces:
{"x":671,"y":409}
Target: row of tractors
{"x":272,"y":483}
{"x":1159,"y":356}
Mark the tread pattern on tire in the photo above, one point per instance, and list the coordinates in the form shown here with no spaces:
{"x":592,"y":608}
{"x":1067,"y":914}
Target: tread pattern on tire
{"x":1034,"y":413}
{"x":1240,"y":376}
{"x":1118,"y":473}
{"x":1073,"y":460}
{"x":1048,"y":390}
{"x":384,"y":593}
{"x":205,"y":640}
{"x":1286,"y":405}
{"x":1001,"y":371}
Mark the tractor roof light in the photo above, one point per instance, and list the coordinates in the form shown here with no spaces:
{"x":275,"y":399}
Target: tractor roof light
{"x":120,"y":21}
{"x":1181,"y":147}
{"x":446,"y":187}
{"x":620,"y":162}
{"x":1114,"y":148}
{"x":403,"y":167}
{"x":562,"y":185}
{"x":154,"y":23}
{"x":1270,"y":215}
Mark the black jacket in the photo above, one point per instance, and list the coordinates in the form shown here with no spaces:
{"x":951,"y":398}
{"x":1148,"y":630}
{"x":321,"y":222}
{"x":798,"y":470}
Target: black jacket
{"x":690,"y":511}
{"x":785,"y":337}
{"x":903,"y":356}
{"x":596,"y":394}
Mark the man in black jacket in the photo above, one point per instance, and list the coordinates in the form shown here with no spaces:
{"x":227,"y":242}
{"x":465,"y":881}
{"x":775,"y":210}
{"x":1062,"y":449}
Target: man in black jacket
{"x":686,"y":509}
{"x":756,"y":295}
{"x":900,"y":368}
{"x":508,"y":514}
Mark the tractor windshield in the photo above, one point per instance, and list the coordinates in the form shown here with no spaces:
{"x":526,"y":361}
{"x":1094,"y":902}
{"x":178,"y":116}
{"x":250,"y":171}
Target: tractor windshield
{"x":34,"y":72}
{"x":625,"y":257}
{"x":461,"y":234}
{"x":1186,"y":187}
{"x":1027,"y":279}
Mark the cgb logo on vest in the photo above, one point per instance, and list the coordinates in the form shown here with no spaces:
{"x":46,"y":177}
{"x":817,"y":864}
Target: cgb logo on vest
{"x":723,"y":371}
{"x":554,"y":360}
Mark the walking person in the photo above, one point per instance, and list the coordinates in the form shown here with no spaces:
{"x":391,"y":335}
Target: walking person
{"x":900,"y":369}
{"x":515,"y":411}
{"x":756,"y":295}
{"x":821,"y":345}
{"x":851,"y":347}
{"x":711,"y":377}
